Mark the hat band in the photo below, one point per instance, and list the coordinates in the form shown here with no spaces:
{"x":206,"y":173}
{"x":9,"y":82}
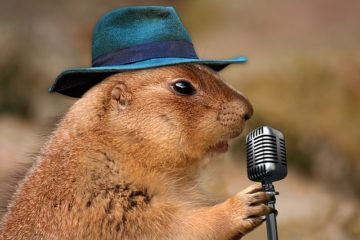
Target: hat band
{"x":163,"y":49}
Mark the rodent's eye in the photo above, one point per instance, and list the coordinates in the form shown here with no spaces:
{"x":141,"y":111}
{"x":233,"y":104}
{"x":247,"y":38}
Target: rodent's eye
{"x":183,"y":87}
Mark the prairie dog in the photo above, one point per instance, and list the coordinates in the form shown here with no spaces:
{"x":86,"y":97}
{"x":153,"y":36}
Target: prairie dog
{"x":124,"y":162}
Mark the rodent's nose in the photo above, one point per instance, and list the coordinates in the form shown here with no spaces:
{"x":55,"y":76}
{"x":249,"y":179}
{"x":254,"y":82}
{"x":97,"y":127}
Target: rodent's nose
{"x":235,"y":112}
{"x":248,"y":109}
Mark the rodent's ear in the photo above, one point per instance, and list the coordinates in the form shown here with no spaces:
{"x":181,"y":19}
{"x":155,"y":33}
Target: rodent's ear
{"x":120,"y":95}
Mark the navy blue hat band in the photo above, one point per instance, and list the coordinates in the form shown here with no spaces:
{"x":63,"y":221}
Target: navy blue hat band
{"x":163,"y":49}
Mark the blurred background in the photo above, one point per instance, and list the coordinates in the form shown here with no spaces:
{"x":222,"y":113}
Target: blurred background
{"x":303,"y":78}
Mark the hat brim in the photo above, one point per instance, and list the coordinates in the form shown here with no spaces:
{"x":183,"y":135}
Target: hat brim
{"x":75,"y":82}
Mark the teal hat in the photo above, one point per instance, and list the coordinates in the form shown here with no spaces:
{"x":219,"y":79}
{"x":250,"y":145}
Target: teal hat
{"x":134,"y":38}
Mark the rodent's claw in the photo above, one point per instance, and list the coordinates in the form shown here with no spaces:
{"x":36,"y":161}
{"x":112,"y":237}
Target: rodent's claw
{"x":259,"y":197}
{"x":261,"y":218}
{"x":258,"y":211}
{"x":274,"y":211}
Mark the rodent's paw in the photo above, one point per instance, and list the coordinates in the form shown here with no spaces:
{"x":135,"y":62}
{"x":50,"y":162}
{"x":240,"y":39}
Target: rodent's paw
{"x":248,"y":208}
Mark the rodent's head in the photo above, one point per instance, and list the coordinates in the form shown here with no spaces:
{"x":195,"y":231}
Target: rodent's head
{"x":178,"y":112}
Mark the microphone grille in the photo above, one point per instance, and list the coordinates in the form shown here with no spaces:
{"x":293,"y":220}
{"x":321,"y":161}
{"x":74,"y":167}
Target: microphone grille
{"x":266,"y":154}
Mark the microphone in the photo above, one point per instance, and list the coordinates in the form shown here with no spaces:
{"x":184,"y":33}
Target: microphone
{"x":266,"y":163}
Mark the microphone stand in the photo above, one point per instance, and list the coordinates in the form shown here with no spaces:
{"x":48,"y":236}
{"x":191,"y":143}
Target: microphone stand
{"x":271,"y":225}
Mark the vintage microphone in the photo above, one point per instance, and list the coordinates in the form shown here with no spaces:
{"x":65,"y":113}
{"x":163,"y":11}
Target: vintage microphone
{"x":266,"y":163}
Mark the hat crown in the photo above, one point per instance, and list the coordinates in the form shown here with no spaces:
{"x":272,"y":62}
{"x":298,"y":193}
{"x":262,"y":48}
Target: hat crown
{"x":127,"y":27}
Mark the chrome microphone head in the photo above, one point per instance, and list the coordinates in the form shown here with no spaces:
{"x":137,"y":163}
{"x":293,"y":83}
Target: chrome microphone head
{"x":266,"y":155}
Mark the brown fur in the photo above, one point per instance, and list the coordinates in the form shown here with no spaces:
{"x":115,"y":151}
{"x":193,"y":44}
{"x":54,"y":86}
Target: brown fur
{"x":124,"y":164}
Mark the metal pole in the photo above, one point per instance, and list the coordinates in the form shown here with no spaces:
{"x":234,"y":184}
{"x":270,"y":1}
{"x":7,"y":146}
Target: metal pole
{"x":271,"y":225}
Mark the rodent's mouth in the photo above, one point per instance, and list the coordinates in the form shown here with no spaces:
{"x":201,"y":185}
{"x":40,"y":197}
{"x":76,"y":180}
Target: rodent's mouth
{"x":223,"y":145}
{"x":220,"y":147}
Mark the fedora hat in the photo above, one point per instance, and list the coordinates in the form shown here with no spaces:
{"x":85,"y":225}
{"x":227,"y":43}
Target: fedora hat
{"x":134,"y":38}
